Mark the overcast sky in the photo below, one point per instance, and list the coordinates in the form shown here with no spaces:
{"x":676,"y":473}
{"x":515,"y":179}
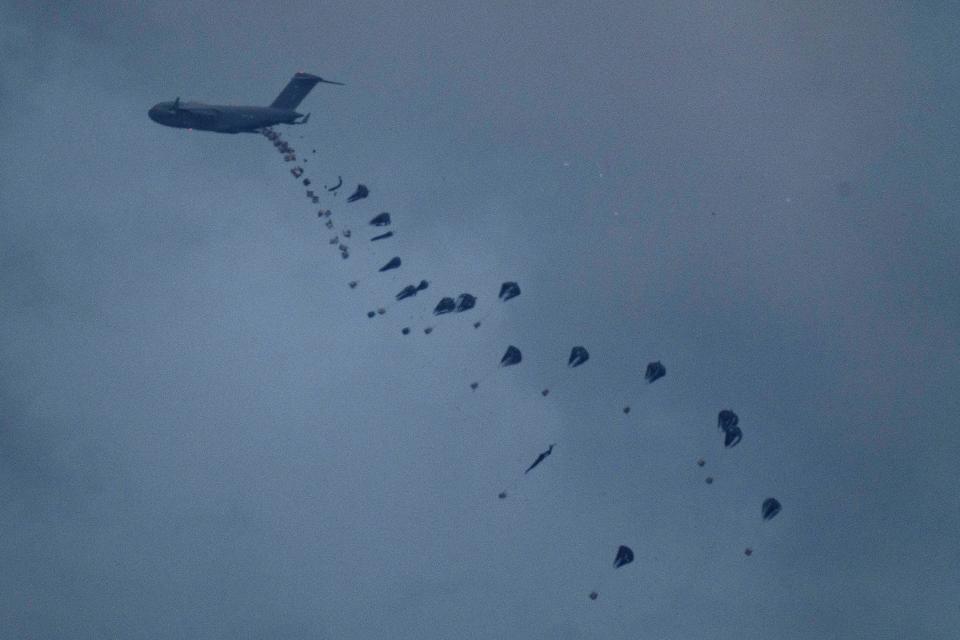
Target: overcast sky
{"x":203,"y":436}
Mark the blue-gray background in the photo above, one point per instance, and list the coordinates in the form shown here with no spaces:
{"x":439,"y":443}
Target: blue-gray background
{"x":201,"y":434}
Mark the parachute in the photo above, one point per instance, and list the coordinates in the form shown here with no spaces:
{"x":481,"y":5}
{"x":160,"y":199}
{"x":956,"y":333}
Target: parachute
{"x":624,"y":556}
{"x":361,"y":193}
{"x":511,"y":357}
{"x":339,"y":184}
{"x":381,"y":220}
{"x":382,"y":236}
{"x":771,"y":507}
{"x":509,"y":290}
{"x":578,"y":355}
{"x":446,"y":305}
{"x":465,"y":302}
{"x":655,"y":371}
{"x":393,"y":264}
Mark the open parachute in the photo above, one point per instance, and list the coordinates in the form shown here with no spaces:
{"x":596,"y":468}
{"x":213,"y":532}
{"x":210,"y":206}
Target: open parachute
{"x":655,"y":371}
{"x":511,"y":357}
{"x":624,"y":556}
{"x":578,"y":355}
{"x":771,"y":507}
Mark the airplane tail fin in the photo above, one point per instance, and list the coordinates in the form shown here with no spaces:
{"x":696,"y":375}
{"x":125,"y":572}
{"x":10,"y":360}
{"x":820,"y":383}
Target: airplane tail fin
{"x":297,"y":89}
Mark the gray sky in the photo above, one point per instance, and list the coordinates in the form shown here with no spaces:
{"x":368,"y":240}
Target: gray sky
{"x":202,"y":435}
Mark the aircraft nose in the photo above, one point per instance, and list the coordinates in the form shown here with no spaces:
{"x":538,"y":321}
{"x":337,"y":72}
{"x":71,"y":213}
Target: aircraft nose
{"x":152,"y":114}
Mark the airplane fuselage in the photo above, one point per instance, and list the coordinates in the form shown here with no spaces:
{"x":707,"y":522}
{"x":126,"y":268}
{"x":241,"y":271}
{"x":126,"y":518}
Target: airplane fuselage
{"x":221,"y":118}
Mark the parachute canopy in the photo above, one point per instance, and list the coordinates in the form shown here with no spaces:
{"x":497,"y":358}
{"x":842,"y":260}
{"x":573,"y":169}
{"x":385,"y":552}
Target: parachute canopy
{"x":578,"y":355}
{"x":393,"y":264}
{"x":382,"y":236}
{"x":381,"y":220}
{"x":511,"y":357}
{"x":771,"y":507}
{"x":446,"y":305}
{"x":732,"y":437}
{"x":624,"y":556}
{"x":465,"y":302}
{"x":727,"y":419}
{"x":509,"y":290}
{"x":361,"y":193}
{"x":655,"y":371}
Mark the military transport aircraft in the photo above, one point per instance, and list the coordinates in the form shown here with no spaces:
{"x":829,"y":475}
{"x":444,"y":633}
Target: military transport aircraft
{"x":236,"y":119}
